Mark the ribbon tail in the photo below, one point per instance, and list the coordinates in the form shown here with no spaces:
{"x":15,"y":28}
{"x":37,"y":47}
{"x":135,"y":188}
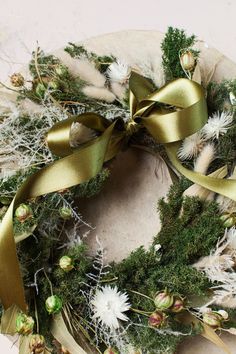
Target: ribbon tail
{"x":226,"y":187}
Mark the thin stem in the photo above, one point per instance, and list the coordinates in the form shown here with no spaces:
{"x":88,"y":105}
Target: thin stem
{"x":144,"y":313}
{"x":136,"y":292}
{"x":108,"y":280}
{"x":36,"y":315}
{"x":49,"y":282}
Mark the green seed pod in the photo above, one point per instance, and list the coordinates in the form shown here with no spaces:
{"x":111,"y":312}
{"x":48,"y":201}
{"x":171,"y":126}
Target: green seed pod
{"x":212,"y":319}
{"x":24,"y":324}
{"x":65,"y":213}
{"x":23,"y":212}
{"x":66,"y":263}
{"x":5,"y":200}
{"x":163,"y":300}
{"x":187,"y":60}
{"x":53,"y":304}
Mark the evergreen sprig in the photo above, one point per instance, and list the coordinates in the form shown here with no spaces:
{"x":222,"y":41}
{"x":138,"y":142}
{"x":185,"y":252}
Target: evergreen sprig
{"x":174,"y":42}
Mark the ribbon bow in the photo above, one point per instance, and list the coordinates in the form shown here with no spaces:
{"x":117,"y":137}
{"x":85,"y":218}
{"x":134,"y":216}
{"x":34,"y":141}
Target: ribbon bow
{"x":149,"y":109}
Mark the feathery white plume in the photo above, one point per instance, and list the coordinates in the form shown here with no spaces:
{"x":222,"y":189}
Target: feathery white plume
{"x":204,"y":159}
{"x":191,"y":146}
{"x":99,"y":93}
{"x":217,"y":125}
{"x":119,"y":72}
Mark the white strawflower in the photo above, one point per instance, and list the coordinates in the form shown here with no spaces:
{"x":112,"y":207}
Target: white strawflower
{"x":119,"y":72}
{"x":108,"y":306}
{"x":217,"y":125}
{"x":191,"y":146}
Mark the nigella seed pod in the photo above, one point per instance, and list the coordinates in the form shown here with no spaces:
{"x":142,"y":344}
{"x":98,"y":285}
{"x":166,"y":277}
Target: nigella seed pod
{"x":212,"y":319}
{"x":156,"y":319}
{"x":224,"y":314}
{"x":23,"y":212}
{"x":37,"y":344}
{"x":65,"y":213}
{"x":53,"y":304}
{"x":17,"y":80}
{"x":187,"y":60}
{"x":24,"y":324}
{"x":66,"y":263}
{"x":163,"y":300}
{"x":178,"y":305}
{"x":111,"y":350}
{"x":228,"y":220}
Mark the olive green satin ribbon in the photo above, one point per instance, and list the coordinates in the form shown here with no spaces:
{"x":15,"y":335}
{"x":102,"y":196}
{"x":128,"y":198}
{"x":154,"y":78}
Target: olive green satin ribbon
{"x":79,"y":165}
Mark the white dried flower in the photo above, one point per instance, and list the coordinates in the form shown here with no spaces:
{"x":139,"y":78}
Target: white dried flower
{"x":79,"y":134}
{"x":108,"y":306}
{"x":191,"y":146}
{"x":217,"y":125}
{"x":119,"y":72}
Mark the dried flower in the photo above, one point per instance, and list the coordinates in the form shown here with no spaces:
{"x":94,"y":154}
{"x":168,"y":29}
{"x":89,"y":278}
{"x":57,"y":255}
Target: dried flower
{"x":157,"y":319}
{"x":65,"y":213}
{"x":53,"y":304}
{"x":217,"y":125}
{"x":37,"y":344}
{"x":191,"y":146}
{"x":24,"y":324}
{"x":178,"y":305}
{"x":224,"y":314}
{"x":119,"y":72}
{"x":163,"y":300}
{"x":17,"y":80}
{"x":66,"y":263}
{"x":109,"y":306}
{"x":212,"y":319}
{"x":187,"y":60}
{"x":204,"y":159}
{"x":99,"y":93}
{"x":23,"y":212}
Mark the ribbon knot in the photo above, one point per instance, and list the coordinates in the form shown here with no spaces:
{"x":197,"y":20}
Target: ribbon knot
{"x":170,"y":114}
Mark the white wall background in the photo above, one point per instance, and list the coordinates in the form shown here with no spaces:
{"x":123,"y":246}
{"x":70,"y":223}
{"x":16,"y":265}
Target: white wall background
{"x":54,"y":22}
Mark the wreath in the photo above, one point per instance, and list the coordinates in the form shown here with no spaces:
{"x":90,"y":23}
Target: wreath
{"x":58,"y":139}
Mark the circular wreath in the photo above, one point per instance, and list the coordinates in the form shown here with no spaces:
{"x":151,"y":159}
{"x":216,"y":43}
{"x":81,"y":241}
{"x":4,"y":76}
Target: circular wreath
{"x":70,"y":120}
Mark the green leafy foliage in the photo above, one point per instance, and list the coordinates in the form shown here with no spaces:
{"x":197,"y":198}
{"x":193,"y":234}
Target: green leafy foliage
{"x":174,"y":42}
